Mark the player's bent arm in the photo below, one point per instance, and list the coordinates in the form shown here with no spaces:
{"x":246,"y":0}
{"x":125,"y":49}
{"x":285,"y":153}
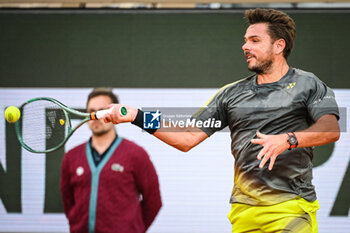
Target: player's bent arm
{"x":324,"y":131}
{"x":182,"y":139}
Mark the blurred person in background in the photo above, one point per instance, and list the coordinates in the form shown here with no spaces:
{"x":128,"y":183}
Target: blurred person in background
{"x":109,"y":183}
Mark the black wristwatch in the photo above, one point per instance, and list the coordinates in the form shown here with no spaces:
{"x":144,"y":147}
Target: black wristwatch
{"x":292,"y":140}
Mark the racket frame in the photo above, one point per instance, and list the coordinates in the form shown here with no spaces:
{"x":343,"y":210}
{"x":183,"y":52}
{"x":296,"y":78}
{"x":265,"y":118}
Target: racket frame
{"x":66,"y":110}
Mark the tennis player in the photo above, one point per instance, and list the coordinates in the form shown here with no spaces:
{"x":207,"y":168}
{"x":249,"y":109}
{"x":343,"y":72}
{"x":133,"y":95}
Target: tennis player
{"x":109,"y":183}
{"x":276,"y":116}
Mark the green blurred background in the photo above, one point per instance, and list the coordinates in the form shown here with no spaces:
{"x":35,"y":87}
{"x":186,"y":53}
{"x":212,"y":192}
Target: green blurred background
{"x":155,"y":48}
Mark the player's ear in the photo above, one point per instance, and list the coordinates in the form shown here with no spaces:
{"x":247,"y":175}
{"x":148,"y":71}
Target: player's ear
{"x":279,"y":46}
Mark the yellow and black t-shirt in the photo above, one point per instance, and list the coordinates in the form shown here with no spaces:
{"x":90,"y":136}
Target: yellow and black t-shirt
{"x":291,"y":104}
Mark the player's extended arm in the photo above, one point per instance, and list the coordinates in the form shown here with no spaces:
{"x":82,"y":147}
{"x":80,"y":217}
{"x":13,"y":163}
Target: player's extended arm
{"x":324,"y":131}
{"x":182,"y":139}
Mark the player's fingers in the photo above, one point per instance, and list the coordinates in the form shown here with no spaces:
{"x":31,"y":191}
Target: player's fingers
{"x":257,"y":141}
{"x":260,"y":135}
{"x":107,"y":118}
{"x":113,"y":112}
{"x":261,"y":153}
{"x":264,"y":160}
{"x":272,"y":162}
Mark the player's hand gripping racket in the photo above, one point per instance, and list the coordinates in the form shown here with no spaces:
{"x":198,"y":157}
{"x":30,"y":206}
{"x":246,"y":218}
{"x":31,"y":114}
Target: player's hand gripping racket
{"x":46,"y":124}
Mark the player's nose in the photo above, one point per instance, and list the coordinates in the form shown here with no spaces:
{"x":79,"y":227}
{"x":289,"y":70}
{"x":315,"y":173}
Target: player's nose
{"x":245,"y":47}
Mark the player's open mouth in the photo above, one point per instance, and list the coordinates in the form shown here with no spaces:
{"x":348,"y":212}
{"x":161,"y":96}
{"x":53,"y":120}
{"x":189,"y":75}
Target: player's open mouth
{"x":249,"y":58}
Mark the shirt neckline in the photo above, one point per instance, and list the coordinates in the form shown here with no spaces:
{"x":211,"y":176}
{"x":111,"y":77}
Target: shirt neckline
{"x":255,"y":79}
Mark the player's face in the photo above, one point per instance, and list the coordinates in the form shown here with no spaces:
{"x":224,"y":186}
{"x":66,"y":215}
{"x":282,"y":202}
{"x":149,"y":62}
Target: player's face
{"x":98,"y":127}
{"x":258,"y":48}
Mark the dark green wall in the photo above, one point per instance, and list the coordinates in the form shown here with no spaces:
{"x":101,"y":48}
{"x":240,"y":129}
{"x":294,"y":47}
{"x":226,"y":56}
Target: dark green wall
{"x":87,"y":48}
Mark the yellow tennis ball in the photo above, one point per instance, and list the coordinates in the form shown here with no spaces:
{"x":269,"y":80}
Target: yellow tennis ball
{"x":12,"y":114}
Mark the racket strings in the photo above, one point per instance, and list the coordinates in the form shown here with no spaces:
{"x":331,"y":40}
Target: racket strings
{"x":44,"y":125}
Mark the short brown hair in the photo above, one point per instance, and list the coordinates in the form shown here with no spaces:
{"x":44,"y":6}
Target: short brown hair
{"x":103,"y":91}
{"x":280,"y":25}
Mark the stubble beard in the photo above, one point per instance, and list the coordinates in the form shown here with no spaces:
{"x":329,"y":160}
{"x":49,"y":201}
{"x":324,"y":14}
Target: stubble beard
{"x":262,"y":67}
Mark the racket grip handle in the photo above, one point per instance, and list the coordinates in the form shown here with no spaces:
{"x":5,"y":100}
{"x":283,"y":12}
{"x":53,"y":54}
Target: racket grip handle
{"x":100,"y":114}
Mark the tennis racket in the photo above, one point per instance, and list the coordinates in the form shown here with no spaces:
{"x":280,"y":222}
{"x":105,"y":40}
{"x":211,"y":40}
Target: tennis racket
{"x":46,"y":124}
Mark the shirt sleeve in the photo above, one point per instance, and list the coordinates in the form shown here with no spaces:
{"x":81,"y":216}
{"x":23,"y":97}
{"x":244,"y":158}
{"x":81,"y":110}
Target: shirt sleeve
{"x":322,"y":101}
{"x":213,"y":114}
{"x":148,"y":185}
{"x":65,"y":186}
